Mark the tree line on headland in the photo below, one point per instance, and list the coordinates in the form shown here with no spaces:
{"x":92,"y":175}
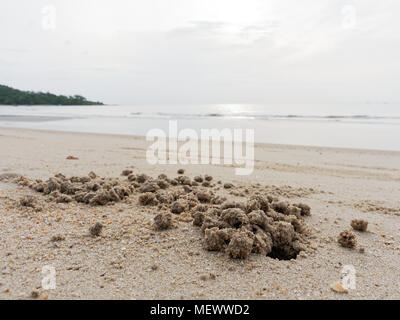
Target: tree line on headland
{"x":11,"y":96}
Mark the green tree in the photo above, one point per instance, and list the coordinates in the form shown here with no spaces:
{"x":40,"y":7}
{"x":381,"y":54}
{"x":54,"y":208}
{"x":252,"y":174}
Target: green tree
{"x":10,"y":96}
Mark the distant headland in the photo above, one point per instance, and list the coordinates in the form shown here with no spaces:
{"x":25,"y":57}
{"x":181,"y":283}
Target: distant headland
{"x":11,"y":96}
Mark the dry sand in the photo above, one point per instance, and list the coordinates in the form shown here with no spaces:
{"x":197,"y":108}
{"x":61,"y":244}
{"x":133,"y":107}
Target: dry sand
{"x":130,"y":260}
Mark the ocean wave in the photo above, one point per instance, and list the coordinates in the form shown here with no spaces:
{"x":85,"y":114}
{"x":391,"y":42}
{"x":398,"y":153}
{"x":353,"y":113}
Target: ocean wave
{"x":164,"y":115}
{"x":372,"y":116}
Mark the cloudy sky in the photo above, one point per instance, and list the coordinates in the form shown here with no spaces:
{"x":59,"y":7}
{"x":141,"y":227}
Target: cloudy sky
{"x":204,"y":51}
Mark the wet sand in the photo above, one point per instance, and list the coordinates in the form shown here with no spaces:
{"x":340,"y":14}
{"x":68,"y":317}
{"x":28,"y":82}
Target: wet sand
{"x":130,"y":260}
{"x":14,"y":118}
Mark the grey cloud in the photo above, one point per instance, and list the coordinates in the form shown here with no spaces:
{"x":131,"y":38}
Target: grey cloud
{"x":289,"y":52}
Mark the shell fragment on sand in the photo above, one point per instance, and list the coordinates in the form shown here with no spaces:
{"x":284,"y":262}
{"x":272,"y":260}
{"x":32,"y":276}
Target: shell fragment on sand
{"x":338,"y":287}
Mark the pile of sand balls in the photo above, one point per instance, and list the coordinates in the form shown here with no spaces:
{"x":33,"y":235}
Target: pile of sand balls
{"x":260,"y":224}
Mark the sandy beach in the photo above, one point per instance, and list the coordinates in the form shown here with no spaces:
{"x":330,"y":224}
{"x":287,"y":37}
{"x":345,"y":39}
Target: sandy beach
{"x":132,"y":260}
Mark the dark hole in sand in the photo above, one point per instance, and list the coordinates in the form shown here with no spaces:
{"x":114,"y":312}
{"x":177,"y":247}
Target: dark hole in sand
{"x":281,"y":254}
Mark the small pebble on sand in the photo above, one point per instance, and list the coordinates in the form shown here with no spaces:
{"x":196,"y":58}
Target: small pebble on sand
{"x":96,"y":229}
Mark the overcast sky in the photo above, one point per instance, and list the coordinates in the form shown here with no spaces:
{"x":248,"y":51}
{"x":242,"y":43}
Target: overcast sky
{"x":204,"y":51}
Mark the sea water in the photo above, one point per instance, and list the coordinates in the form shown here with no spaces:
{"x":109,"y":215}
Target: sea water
{"x":363,"y":125}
